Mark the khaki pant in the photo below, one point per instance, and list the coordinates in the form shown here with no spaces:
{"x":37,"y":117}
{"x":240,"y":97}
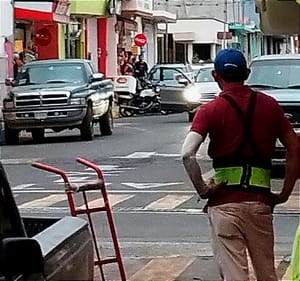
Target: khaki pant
{"x":240,"y":227}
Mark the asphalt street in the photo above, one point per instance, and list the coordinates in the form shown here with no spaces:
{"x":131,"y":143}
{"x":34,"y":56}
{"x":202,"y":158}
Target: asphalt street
{"x":159,"y":220}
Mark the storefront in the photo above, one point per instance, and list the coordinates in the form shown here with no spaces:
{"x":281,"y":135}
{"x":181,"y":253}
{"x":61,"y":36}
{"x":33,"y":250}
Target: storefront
{"x":86,"y":34}
{"x":38,"y":27}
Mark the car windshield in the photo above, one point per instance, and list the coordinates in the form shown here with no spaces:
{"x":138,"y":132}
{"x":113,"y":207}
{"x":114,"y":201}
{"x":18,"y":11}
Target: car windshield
{"x":284,"y":73}
{"x":51,"y":74}
{"x":204,"y":75}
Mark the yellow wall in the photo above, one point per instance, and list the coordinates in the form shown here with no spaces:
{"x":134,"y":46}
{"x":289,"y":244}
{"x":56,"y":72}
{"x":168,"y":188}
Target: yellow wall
{"x":61,"y":42}
{"x":89,"y":7}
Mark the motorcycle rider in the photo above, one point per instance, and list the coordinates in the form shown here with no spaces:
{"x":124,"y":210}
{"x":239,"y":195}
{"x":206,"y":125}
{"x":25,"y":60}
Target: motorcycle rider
{"x":141,"y":71}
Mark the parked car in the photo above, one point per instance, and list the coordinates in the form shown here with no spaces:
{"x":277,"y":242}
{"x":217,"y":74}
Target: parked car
{"x":279,"y":77}
{"x":177,"y":87}
{"x":58,"y":95}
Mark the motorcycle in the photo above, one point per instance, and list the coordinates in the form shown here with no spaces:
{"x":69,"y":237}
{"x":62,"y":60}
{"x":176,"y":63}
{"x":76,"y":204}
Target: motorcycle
{"x":144,"y":101}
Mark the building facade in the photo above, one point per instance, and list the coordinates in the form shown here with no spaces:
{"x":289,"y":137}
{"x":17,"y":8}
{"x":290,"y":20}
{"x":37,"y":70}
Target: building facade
{"x":207,"y":26}
{"x":38,"y":27}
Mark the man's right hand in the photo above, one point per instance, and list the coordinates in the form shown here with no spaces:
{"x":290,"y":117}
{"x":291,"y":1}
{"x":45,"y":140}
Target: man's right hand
{"x":212,"y":188}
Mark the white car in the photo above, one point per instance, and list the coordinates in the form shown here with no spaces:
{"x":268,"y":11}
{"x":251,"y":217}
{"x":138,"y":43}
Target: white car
{"x":206,"y":89}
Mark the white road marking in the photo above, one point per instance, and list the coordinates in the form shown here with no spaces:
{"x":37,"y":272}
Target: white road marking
{"x":150,"y":185}
{"x":137,"y":155}
{"x":22,"y":186}
{"x":19,"y":161}
{"x":167,"y":155}
{"x":73,"y":179}
{"x":113,"y":200}
{"x":168,"y":202}
{"x":110,"y":191}
{"x":45,"y":201}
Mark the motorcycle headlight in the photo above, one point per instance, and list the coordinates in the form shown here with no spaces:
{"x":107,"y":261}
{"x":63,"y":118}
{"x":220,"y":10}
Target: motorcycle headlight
{"x":192,"y":94}
{"x":77,"y":101}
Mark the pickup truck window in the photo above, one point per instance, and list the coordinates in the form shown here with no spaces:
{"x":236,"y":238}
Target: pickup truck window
{"x":55,"y":73}
{"x":275,"y":73}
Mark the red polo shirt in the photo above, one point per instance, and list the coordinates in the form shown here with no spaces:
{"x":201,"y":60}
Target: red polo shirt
{"x":220,"y":122}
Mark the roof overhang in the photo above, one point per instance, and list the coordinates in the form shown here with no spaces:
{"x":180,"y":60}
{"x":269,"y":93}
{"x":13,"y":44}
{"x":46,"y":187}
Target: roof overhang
{"x":161,"y":16}
{"x":43,"y":10}
{"x":142,"y":8}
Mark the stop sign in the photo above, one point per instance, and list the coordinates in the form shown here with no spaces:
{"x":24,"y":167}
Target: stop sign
{"x":140,"y":39}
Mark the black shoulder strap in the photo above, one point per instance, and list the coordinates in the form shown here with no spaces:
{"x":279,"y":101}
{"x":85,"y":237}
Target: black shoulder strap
{"x":247,"y":120}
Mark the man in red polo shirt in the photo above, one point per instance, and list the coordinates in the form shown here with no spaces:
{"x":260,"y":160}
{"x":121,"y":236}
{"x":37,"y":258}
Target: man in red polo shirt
{"x":242,"y":126}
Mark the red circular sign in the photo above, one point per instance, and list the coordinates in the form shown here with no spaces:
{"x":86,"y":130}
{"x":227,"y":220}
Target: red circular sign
{"x":43,"y":37}
{"x":140,"y":39}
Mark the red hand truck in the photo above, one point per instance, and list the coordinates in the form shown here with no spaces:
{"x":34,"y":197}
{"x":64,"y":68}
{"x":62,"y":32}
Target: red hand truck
{"x":98,"y":185}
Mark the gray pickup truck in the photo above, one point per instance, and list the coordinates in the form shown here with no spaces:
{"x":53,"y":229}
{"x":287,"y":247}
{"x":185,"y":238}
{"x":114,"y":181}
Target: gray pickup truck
{"x":58,"y":95}
{"x":279,"y":76}
{"x":41,"y":248}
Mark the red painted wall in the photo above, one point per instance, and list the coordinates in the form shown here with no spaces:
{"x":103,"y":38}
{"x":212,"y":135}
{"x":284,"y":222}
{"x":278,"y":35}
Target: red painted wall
{"x":46,"y":40}
{"x":102,"y":45}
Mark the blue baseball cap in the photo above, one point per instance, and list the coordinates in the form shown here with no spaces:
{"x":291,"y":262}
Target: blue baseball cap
{"x":230,"y":63}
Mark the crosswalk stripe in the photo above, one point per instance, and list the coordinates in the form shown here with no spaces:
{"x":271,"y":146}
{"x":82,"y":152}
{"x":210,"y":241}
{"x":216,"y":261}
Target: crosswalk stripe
{"x":45,"y":201}
{"x":73,"y":180}
{"x":22,"y":186}
{"x":168,"y":202}
{"x":163,"y":269}
{"x":113,"y":200}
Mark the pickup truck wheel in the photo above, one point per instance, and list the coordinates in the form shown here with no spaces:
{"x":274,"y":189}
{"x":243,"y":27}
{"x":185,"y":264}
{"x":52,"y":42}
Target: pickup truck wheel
{"x":87,"y":126}
{"x":11,"y":135}
{"x":38,"y":135}
{"x":106,"y":123}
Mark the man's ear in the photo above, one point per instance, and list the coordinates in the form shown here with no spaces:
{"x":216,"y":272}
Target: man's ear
{"x":215,"y":75}
{"x":247,"y":73}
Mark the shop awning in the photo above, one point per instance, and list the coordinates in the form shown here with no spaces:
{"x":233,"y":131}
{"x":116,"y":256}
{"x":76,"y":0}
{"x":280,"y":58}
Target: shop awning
{"x":45,"y":10}
{"x":244,"y":28}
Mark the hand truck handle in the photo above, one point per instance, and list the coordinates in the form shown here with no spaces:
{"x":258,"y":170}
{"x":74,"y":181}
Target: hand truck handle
{"x":51,"y":169}
{"x":91,"y":165}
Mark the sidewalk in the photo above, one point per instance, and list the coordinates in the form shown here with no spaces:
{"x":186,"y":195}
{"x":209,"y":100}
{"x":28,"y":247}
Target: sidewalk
{"x":177,"y":269}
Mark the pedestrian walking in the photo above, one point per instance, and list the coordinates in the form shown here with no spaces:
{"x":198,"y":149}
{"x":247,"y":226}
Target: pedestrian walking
{"x":243,"y":126}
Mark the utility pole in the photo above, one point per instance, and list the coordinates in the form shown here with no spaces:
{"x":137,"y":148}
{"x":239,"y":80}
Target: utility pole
{"x":225,"y":23}
{"x":233,"y":10}
{"x":243,"y":11}
{"x":167,"y":35}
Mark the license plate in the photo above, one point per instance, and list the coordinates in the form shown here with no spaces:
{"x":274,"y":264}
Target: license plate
{"x":40,"y":115}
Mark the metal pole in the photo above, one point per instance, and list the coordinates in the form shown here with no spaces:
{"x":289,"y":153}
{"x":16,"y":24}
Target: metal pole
{"x":225,"y":24}
{"x":243,"y":12}
{"x":167,"y":43}
{"x":233,"y":10}
{"x":166,"y":34}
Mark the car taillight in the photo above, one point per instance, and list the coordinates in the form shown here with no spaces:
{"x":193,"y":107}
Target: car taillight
{"x":122,"y":80}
